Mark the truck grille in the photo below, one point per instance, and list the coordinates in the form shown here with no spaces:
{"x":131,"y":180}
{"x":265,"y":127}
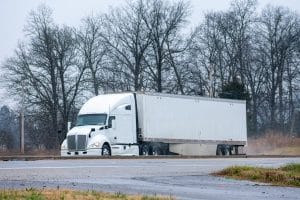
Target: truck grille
{"x":81,"y":142}
{"x":71,"y":142}
{"x":77,"y":142}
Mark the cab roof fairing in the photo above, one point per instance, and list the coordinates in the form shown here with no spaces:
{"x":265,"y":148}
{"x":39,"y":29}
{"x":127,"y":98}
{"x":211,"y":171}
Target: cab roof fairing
{"x":105,"y":103}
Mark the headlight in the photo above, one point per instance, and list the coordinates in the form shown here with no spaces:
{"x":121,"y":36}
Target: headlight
{"x":94,"y":145}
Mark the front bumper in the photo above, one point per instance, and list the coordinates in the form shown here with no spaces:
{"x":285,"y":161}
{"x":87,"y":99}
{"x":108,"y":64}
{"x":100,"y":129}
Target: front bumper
{"x":87,"y":152}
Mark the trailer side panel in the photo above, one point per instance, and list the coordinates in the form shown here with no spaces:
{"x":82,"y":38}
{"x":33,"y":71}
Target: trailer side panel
{"x":184,"y":119}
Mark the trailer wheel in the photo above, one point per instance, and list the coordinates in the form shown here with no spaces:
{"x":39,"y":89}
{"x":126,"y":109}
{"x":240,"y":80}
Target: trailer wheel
{"x":227,"y":151}
{"x":219,"y":150}
{"x":236,"y":150}
{"x":106,"y":150}
{"x":156,"y":151}
{"x":145,"y":150}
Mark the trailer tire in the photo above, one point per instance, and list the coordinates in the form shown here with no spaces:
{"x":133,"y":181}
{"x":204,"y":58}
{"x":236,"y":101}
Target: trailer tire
{"x":106,"y":150}
{"x":145,"y":150}
{"x":236,"y":150}
{"x":227,"y":151}
{"x":156,"y":151}
{"x":219,"y":151}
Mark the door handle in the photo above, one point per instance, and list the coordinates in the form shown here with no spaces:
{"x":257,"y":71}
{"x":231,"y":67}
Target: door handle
{"x":115,"y":138}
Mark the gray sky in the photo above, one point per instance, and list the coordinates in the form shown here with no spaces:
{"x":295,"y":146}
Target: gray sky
{"x":14,"y":13}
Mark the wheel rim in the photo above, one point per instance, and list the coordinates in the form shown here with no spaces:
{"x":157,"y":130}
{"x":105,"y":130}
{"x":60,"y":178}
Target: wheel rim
{"x":105,"y":151}
{"x":145,"y":151}
{"x":156,"y":152}
{"x":219,"y":152}
{"x":227,"y":153}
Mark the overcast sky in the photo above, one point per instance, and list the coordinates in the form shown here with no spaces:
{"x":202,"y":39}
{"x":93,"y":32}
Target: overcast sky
{"x":14,"y":13}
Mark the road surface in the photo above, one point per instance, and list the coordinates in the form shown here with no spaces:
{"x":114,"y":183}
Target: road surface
{"x":179,"y":178}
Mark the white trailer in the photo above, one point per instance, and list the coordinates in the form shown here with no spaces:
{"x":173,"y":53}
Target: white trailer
{"x":157,"y":124}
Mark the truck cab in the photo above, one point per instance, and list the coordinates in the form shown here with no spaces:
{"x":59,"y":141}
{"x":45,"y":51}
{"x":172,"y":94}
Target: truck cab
{"x":106,"y":125}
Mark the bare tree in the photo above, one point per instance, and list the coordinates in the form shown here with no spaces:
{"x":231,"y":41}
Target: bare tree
{"x":177,"y":60}
{"x":164,"y":21}
{"x":45,"y":70}
{"x":207,"y":52}
{"x":241,"y":17}
{"x":9,"y":135}
{"x":127,"y":39}
{"x":69,"y":75}
{"x":280,"y":30}
{"x":92,"y":50}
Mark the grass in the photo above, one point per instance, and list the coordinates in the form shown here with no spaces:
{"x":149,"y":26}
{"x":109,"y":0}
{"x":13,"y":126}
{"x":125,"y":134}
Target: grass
{"x":274,"y":143}
{"x":35,"y":194}
{"x":285,"y":151}
{"x":288,"y":175}
{"x":34,"y":152}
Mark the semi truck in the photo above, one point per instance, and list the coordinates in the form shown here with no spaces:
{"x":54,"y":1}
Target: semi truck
{"x":136,"y":123}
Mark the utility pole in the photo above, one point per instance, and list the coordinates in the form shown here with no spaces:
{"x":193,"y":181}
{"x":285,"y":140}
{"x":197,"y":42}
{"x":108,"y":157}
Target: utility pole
{"x":22,"y":132}
{"x":211,"y":83}
{"x":22,"y":136}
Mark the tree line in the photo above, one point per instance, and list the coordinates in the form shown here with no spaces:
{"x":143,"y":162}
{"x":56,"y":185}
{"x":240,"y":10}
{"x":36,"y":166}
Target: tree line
{"x":239,"y":53}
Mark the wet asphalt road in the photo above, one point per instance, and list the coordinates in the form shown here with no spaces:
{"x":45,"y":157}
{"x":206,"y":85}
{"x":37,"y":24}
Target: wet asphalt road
{"x":179,"y":178}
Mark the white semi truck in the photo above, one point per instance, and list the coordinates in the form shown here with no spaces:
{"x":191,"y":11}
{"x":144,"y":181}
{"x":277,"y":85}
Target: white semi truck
{"x":157,"y":124}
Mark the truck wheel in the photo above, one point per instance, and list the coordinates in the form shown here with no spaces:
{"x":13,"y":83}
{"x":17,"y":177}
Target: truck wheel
{"x":106,"y":150}
{"x":236,"y":150}
{"x":156,"y":151}
{"x":219,"y":151}
{"x":145,"y":150}
{"x":227,"y":151}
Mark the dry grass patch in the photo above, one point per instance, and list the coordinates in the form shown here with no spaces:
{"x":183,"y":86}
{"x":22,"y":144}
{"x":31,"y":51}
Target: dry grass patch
{"x":35,"y":152}
{"x":288,"y":175}
{"x":34,"y":194}
{"x":274,"y":143}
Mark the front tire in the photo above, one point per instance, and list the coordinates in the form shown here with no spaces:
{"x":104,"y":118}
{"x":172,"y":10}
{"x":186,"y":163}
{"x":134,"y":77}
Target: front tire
{"x":106,"y":150}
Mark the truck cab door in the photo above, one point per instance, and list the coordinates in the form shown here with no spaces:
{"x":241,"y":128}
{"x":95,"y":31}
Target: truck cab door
{"x":121,"y":124}
{"x":111,"y":132}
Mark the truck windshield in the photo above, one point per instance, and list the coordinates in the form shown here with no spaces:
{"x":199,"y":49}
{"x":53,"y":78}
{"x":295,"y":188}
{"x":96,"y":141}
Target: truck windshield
{"x":91,"y":119}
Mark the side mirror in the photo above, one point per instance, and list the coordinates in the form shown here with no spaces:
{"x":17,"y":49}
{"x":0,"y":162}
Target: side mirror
{"x":111,"y":119}
{"x":92,"y":130}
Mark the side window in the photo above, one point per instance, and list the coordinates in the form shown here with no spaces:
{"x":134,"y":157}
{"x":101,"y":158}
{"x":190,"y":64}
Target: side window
{"x":110,"y":121}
